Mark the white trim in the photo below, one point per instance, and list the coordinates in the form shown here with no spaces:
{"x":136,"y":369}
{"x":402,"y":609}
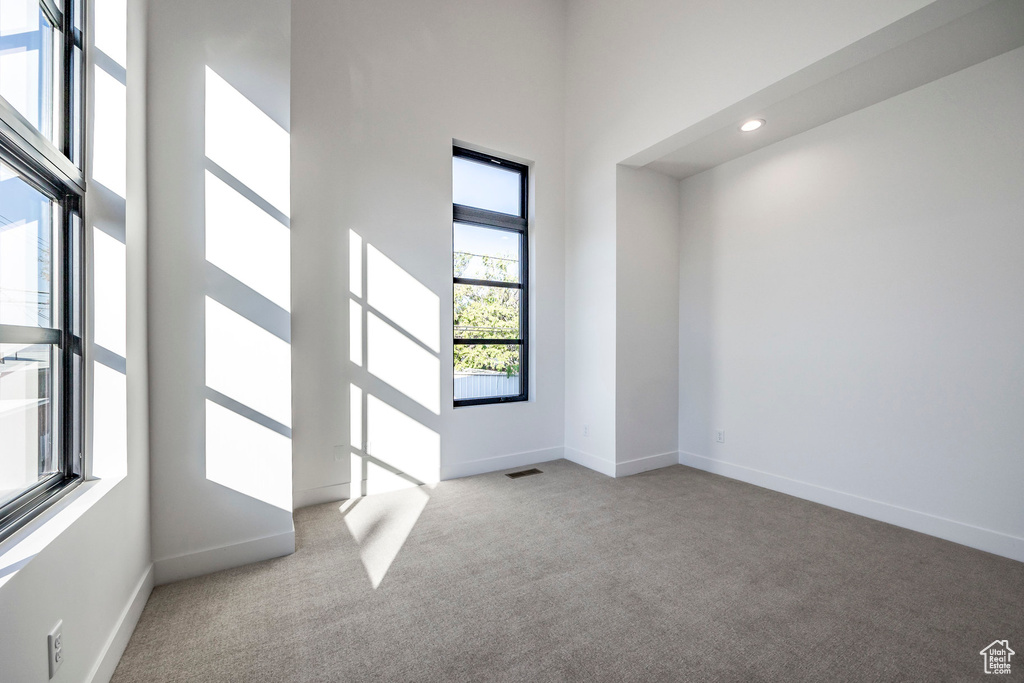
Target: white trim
{"x":501,"y":462}
{"x":948,"y":529}
{"x":112,"y":650}
{"x":606,"y":467}
{"x":646,"y":463}
{"x":339,"y":492}
{"x":320,"y":495}
{"x":188,"y":565}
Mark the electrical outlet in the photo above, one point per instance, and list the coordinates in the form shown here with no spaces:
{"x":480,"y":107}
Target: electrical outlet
{"x":586,"y":430}
{"x":720,"y":436}
{"x":55,"y":647}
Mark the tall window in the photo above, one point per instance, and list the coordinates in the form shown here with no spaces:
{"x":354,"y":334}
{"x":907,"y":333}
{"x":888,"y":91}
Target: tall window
{"x":490,"y":255}
{"x":41,"y":191}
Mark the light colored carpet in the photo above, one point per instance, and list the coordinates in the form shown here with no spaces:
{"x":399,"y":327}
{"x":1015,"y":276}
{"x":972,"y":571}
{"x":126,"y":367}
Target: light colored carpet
{"x":671,"y":575}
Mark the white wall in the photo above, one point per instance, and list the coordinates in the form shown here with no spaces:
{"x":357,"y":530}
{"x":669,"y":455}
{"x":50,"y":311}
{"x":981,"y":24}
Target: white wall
{"x":647,"y":317}
{"x":220,"y":476}
{"x":379,"y":92}
{"x":637,"y":73}
{"x":87,"y":560}
{"x":851,"y":311}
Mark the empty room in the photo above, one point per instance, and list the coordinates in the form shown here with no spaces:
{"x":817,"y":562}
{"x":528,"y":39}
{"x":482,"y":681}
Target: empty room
{"x":541,"y":340}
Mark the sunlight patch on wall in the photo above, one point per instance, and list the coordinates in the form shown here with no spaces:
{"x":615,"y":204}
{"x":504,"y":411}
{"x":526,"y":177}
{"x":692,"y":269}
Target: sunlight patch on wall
{"x":109,"y":139}
{"x":247,"y":457}
{"x":394,"y":333}
{"x":111,"y":29}
{"x":247,"y":143}
{"x":247,"y":237}
{"x":248,"y":364}
{"x":370,"y":478}
{"x":247,"y":243}
{"x":110,"y":298}
{"x":403,"y":364}
{"x":401,"y":442}
{"x":110,"y":423}
{"x":403,"y":299}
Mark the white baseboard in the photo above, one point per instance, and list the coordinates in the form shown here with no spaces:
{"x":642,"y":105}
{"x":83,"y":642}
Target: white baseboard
{"x":606,"y":467}
{"x":965,"y":534}
{"x":621,"y":469}
{"x":186,"y":566}
{"x":122,"y":633}
{"x":501,"y":462}
{"x":321,"y":494}
{"x":337,"y":492}
{"x":646,"y":463}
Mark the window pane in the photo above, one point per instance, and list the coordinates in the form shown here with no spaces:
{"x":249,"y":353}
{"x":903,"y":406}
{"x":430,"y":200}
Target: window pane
{"x":486,"y":312}
{"x":27,"y":452}
{"x":76,"y":275}
{"x":486,"y":253}
{"x":26,"y":253}
{"x":76,"y":106}
{"x":75,"y":391}
{"x":30,"y":58}
{"x":485,"y":186}
{"x":486,"y":371}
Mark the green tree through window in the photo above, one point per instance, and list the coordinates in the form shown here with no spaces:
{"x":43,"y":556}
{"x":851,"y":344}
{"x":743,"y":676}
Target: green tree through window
{"x":487,"y":313}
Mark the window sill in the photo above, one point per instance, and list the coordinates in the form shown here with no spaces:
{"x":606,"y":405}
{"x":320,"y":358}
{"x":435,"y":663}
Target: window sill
{"x":23,"y":545}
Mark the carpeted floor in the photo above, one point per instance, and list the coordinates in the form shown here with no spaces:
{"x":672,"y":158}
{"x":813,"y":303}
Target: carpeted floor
{"x":671,"y":575}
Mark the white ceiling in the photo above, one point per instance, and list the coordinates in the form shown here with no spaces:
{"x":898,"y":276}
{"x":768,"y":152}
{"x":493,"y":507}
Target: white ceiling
{"x":941,"y":39}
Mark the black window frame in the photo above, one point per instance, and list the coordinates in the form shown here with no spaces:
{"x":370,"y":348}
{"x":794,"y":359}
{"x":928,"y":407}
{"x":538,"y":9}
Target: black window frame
{"x":55,"y":170}
{"x":516,"y":224}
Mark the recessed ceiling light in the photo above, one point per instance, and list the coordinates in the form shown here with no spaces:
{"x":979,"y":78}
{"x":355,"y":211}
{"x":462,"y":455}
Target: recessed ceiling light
{"x":751,"y":125}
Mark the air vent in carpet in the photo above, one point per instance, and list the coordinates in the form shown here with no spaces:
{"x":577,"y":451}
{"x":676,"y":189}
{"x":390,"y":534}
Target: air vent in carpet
{"x":524,"y":473}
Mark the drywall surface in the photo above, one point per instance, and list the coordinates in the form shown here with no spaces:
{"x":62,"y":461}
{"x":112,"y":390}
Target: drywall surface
{"x":640,"y":71}
{"x":97,"y":557}
{"x":590,"y":329}
{"x":636,"y":74}
{"x":218,"y":164}
{"x":850,"y":310}
{"x":379,"y":92}
{"x":647,"y":307}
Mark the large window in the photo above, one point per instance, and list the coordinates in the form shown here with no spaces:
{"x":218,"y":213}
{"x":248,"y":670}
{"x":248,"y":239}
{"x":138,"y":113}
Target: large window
{"x":41,"y":267}
{"x":490,"y":254}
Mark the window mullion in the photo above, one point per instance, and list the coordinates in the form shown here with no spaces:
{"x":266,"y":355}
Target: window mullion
{"x":491,"y":219}
{"x":28,"y":146}
{"x":52,"y":12}
{"x":487,"y":283}
{"x":22,"y":334}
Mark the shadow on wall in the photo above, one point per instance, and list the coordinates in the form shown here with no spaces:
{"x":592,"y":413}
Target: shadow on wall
{"x":248,"y":342}
{"x":394,"y":346}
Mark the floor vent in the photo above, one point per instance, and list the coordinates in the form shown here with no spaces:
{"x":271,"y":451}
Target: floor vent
{"x":524,"y":473}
